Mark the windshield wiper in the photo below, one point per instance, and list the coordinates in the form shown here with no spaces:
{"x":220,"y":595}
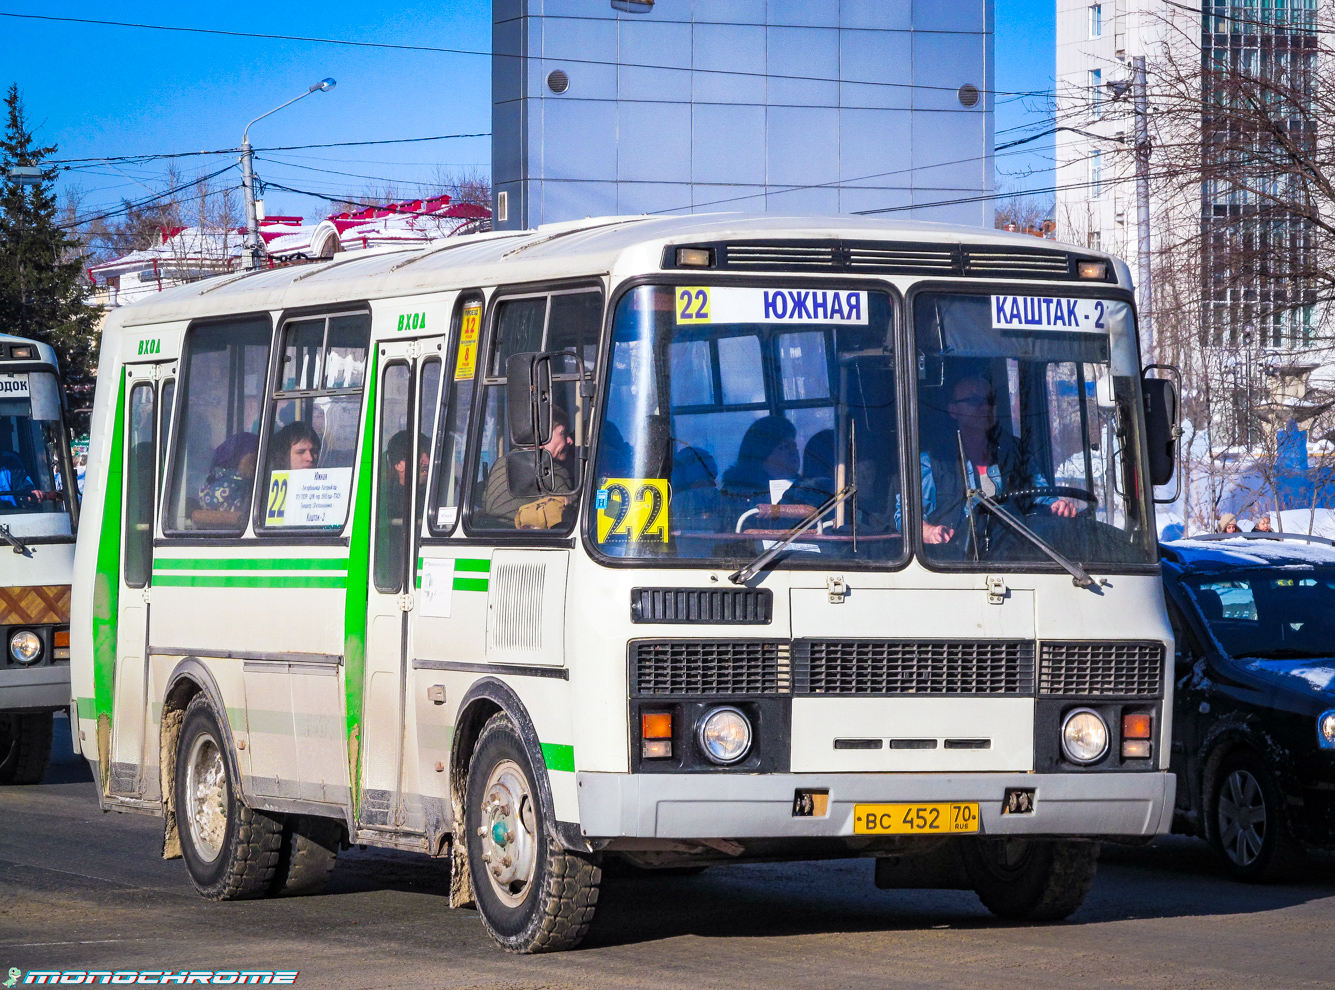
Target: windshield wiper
{"x":1078,"y":574}
{"x":752,"y":569}
{"x":18,"y":545}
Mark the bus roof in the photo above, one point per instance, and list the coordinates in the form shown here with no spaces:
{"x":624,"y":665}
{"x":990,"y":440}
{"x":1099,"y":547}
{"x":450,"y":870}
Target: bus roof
{"x":45,"y":352}
{"x":594,"y":246}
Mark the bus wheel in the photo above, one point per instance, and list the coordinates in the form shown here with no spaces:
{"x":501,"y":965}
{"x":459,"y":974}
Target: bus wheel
{"x":1031,"y":879}
{"x":230,"y":850}
{"x":307,"y":855}
{"x":1247,"y":829}
{"x":533,"y":895}
{"x":25,"y":747}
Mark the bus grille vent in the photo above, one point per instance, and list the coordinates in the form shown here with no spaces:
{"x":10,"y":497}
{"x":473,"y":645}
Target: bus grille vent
{"x":788,"y":257}
{"x":515,"y":600}
{"x":1094,"y":669}
{"x":854,"y":666}
{"x":1002,"y":263}
{"x":903,"y":259}
{"x":711,"y":606}
{"x":702,"y":666}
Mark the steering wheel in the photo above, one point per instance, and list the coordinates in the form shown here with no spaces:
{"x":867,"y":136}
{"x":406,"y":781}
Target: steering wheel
{"x":1050,"y":491}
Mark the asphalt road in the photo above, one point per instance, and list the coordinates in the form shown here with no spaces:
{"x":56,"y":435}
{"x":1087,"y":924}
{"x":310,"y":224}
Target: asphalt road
{"x":79,"y":889}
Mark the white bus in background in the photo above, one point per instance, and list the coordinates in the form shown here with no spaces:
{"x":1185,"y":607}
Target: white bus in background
{"x":677,"y":541}
{"x":38,"y":513}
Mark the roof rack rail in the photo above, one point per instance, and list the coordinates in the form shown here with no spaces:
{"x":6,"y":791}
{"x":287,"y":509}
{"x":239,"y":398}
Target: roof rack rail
{"x":1263,"y":536}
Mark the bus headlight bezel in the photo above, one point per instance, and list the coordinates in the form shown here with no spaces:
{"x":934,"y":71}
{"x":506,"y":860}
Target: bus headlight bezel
{"x":724,"y":735}
{"x":25,"y":647}
{"x":1325,"y":729}
{"x":1074,"y":722}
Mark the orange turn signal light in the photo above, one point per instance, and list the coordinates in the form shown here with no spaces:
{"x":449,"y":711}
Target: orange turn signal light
{"x":61,"y":638}
{"x":1136,"y":726}
{"x":656,"y":725}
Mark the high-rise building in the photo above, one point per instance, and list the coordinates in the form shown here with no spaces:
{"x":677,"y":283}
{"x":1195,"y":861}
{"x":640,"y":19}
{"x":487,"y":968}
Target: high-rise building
{"x":808,"y":106}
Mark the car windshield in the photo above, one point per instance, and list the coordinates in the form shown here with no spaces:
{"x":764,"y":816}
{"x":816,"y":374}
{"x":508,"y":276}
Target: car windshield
{"x":31,"y":438}
{"x":734,"y":412}
{"x":1028,"y":401}
{"x":1270,"y":614}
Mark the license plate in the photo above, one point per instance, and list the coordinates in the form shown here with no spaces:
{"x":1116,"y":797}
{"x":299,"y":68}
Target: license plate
{"x":917,"y":819}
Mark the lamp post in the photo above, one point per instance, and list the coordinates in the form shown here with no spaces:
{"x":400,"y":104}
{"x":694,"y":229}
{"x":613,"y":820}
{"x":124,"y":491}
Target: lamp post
{"x":252,"y":245}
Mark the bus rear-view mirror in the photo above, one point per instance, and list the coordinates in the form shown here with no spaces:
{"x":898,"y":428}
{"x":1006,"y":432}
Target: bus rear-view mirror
{"x":44,"y":394}
{"x":528,"y":398}
{"x":1161,"y":431}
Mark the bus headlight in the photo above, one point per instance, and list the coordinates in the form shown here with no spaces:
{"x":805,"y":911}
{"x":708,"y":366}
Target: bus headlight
{"x":725,"y":735}
{"x":1325,"y":729}
{"x":1084,"y":736}
{"x":25,"y":646}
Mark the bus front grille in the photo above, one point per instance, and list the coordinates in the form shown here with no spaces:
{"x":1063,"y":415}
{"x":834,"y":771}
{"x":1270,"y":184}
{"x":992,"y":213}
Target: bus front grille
{"x":855,"y":666}
{"x":709,"y":667}
{"x":707,"y":606}
{"x":1092,"y":669}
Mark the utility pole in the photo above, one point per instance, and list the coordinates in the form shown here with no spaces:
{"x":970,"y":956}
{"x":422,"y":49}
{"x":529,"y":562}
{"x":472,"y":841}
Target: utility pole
{"x":254,"y":250}
{"x":1146,"y":300}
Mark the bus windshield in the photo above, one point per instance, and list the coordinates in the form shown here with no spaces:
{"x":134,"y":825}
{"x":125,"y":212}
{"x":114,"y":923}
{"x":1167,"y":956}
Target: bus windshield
{"x":31,"y":442}
{"x":735,"y":412}
{"x":1026,"y":403}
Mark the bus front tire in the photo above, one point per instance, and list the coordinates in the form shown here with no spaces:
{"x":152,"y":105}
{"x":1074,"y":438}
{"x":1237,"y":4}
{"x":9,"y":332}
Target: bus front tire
{"x":1031,"y":879}
{"x":307,"y":855}
{"x":532,"y":893}
{"x":231,"y":851}
{"x":25,"y":746}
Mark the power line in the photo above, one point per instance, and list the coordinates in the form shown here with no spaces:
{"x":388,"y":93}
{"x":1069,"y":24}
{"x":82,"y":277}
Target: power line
{"x":237,"y":151}
{"x":488,"y":54}
{"x":128,"y":207}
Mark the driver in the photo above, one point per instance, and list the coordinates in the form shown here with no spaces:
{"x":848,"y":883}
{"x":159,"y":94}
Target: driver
{"x":993,"y":458}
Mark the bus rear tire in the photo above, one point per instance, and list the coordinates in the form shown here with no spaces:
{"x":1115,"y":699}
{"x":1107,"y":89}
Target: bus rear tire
{"x":1031,"y":879}
{"x":25,"y":746}
{"x":230,"y":850}
{"x":532,"y":893}
{"x":307,"y":855}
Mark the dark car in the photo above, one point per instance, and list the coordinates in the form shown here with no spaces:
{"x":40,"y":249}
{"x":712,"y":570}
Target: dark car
{"x":1254,"y":715}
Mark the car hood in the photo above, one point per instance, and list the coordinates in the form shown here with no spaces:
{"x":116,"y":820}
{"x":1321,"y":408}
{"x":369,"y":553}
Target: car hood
{"x":1313,"y":677}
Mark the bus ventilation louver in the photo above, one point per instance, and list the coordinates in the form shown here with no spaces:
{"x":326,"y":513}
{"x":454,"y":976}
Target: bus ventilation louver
{"x":1101,"y":669}
{"x":710,"y":667}
{"x":892,"y":258}
{"x":974,"y":667}
{"x":710,"y":606}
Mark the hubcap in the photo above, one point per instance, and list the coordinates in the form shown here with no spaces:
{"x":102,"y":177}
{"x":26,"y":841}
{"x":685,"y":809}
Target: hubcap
{"x":509,"y":833}
{"x":1242,"y":819}
{"x":206,"y":797}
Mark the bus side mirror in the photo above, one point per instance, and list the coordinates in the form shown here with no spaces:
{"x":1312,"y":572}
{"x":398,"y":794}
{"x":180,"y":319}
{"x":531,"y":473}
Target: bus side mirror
{"x":528,"y":398}
{"x":1161,"y":429}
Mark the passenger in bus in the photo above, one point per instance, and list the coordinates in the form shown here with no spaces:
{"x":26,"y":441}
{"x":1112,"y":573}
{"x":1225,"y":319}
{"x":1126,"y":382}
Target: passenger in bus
{"x":816,"y":485}
{"x":994,"y":460}
{"x":397,"y":455}
{"x":225,"y":494}
{"x":695,"y":496}
{"x":525,"y":511}
{"x":768,"y":453}
{"x":296,"y":447}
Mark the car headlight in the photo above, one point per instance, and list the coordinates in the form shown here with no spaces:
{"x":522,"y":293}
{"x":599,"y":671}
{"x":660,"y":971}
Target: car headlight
{"x":25,"y":646}
{"x":1325,"y":729}
{"x":1084,"y":736}
{"x":725,"y":735}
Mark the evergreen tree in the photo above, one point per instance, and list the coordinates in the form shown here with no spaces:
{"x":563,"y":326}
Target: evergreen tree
{"x":42,"y":285}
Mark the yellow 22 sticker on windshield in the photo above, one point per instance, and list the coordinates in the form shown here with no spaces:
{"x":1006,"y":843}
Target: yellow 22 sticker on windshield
{"x":692,"y":304}
{"x":633,"y":509}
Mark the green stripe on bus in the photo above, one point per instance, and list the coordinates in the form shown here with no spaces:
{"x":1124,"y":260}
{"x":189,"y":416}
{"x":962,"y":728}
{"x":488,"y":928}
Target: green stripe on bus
{"x":472,"y":565}
{"x":558,"y":757}
{"x":470,"y":584}
{"x":253,"y":564}
{"x":249,"y":581}
{"x":87,"y":708}
{"x":107,"y":583}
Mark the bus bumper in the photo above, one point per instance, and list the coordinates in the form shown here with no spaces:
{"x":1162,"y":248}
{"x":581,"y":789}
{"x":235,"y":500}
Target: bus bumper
{"x":45,"y":688}
{"x":698,"y":806}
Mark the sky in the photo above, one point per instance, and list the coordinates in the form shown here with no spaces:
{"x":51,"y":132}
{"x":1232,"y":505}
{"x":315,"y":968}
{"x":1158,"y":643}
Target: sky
{"x":100,"y":91}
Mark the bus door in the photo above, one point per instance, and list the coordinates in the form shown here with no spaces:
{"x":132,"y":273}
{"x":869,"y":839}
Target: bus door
{"x":150,"y":391}
{"x":407,"y":397}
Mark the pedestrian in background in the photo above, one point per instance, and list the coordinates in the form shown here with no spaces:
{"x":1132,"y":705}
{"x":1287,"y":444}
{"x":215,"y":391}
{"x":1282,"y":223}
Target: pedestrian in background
{"x":1228,"y":523}
{"x":1262,"y":525}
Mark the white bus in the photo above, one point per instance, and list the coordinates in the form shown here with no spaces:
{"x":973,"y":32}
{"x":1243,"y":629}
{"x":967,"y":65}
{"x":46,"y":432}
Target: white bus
{"x":38,"y":512}
{"x":678,"y":541}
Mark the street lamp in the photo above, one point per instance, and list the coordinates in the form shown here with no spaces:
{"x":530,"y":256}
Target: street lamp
{"x":24,"y":175}
{"x":252,"y":245}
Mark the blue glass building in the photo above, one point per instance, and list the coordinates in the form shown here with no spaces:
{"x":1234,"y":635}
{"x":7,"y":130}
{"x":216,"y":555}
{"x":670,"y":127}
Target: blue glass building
{"x":807,"y":106}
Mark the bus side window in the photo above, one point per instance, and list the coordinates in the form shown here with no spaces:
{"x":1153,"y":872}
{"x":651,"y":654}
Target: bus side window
{"x":168,"y":399}
{"x":214,"y":459}
{"x":139,"y":477}
{"x":393,"y":458}
{"x":456,"y":415}
{"x":313,"y":425}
